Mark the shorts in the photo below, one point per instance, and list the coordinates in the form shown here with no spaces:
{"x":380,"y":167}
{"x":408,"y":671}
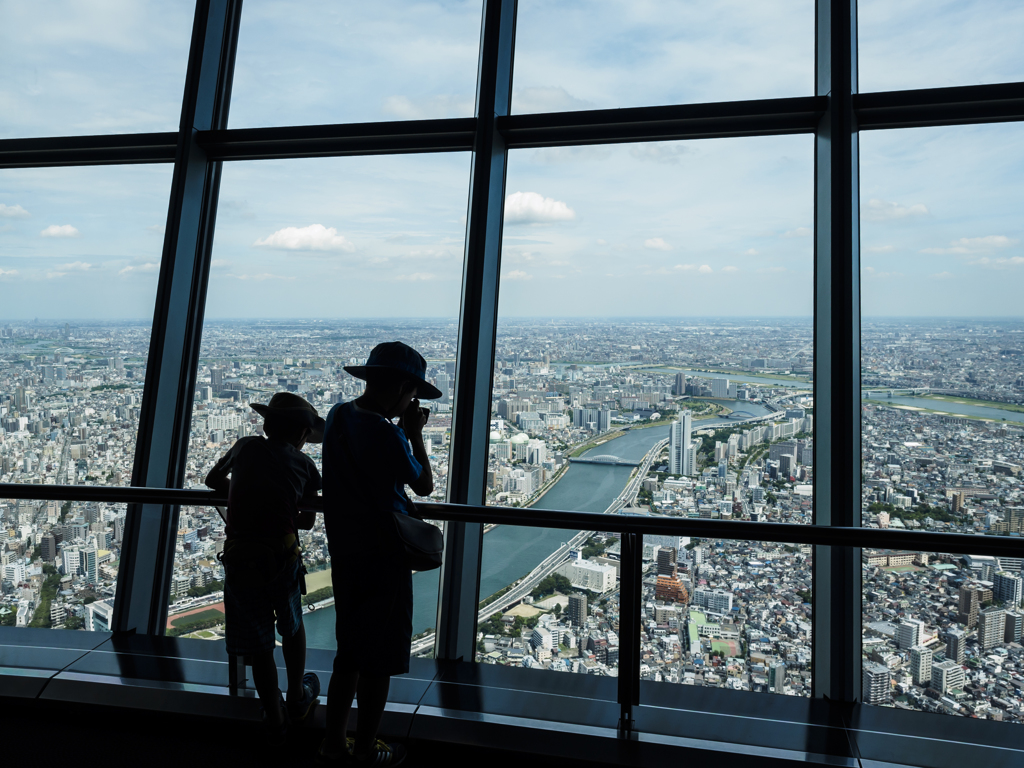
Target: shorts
{"x":374,"y":632}
{"x":250,"y":612}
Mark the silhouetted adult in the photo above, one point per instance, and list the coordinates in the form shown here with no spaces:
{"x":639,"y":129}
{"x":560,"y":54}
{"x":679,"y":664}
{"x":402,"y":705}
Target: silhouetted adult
{"x":367,"y":462}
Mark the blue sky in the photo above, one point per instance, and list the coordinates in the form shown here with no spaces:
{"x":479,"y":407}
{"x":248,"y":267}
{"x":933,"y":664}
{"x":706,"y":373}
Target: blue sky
{"x":713,"y":227}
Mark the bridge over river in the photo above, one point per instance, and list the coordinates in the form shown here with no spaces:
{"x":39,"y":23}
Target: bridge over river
{"x":604,"y":459}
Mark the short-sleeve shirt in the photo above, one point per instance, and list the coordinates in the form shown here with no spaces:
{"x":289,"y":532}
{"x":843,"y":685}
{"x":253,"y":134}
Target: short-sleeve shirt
{"x":268,"y":477}
{"x":369,"y":478}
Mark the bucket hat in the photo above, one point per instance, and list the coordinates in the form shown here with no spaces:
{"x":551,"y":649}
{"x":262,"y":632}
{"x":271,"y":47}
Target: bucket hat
{"x":401,"y":358}
{"x":291,"y":406}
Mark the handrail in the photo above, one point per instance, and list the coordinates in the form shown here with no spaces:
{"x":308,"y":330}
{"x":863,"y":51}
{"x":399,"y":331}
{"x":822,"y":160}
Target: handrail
{"x":737,"y":530}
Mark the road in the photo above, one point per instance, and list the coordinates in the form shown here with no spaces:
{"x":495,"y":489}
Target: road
{"x":560,"y":555}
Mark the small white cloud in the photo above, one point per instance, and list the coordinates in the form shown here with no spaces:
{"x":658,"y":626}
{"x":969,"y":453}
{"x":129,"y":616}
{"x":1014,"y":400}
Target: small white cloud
{"x":668,"y":153}
{"x":149,"y":266}
{"x":59,"y":230}
{"x":999,"y":263}
{"x":705,"y":269}
{"x":405,"y":108}
{"x":315,"y":237}
{"x":546,"y":99}
{"x":684,"y":267}
{"x":158,"y":228}
{"x":75,"y":266}
{"x":6,"y":272}
{"x":751,"y":252}
{"x":880,"y":248}
{"x":220,"y":263}
{"x":417,"y":277}
{"x":517,"y":274}
{"x":730,"y":269}
{"x":798,"y":232}
{"x":532,"y":208}
{"x":880,"y":210}
{"x":13,"y":212}
{"x":657,"y":244}
{"x":602,"y":242}
{"x":974,"y":244}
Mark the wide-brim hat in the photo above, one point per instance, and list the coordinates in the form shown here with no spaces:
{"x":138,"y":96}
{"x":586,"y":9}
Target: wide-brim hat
{"x":294,"y":408}
{"x":399,"y":358}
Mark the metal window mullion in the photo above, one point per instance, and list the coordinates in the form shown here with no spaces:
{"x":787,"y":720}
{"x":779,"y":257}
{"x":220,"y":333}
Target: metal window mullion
{"x":460,"y":574}
{"x":836,"y":591}
{"x":165,"y":422}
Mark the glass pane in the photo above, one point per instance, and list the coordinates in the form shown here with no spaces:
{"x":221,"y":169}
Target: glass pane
{"x":727,"y":614}
{"x":319,"y":62}
{"x":314,"y":263}
{"x":615,"y":53}
{"x":676,"y":401}
{"x":942,"y":349}
{"x":78,"y":273}
{"x":954,"y":652}
{"x":73,"y":68}
{"x":58,"y":563}
{"x":939,"y":43}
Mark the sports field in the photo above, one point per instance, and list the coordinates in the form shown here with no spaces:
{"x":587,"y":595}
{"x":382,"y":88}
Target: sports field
{"x":728,"y":647}
{"x":190,"y":618}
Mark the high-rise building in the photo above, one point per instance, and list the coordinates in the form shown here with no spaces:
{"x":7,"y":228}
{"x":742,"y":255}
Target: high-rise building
{"x":217,"y":379}
{"x":713,"y":600}
{"x":90,"y":564}
{"x":777,"y":676}
{"x":991,"y":627}
{"x":971,"y":597}
{"x":1007,"y":588}
{"x":908,"y":633}
{"x":921,"y":664}
{"x":667,"y":561}
{"x":1014,"y":627}
{"x":48,"y":547}
{"x":956,"y":645}
{"x":670,"y":588}
{"x":577,"y":609}
{"x":947,"y":675}
{"x":680,"y":455}
{"x":876,"y":685}
{"x":679,"y":386}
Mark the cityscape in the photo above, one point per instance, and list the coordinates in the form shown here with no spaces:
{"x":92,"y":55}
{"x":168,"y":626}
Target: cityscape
{"x":708,"y":418}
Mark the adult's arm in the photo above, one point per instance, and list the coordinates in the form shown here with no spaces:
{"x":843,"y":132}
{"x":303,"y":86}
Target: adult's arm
{"x":413,"y":421}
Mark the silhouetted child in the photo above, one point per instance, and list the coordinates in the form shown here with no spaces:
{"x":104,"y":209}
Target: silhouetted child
{"x":269,"y":476}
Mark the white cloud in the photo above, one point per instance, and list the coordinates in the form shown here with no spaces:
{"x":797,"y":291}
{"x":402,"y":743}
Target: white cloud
{"x":751,"y":252}
{"x":158,"y":228}
{"x":4,"y":272}
{"x":974,"y":244}
{"x":315,"y":237}
{"x":684,"y":267}
{"x":417,"y":277}
{"x":13,"y":212}
{"x":871,"y":273}
{"x":62,"y":230}
{"x":880,"y":210}
{"x":705,"y":269}
{"x":405,"y":108}
{"x":546,"y":99}
{"x":602,"y":242}
{"x":220,"y":263}
{"x":532,"y":208}
{"x":798,"y":232}
{"x":517,"y":274}
{"x":75,"y":266}
{"x":661,"y":152}
{"x":1000,"y":263}
{"x":730,"y":269}
{"x":149,"y":266}
{"x":657,"y":244}
{"x":880,"y":248}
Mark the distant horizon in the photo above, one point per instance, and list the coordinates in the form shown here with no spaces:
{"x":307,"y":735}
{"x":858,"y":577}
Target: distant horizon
{"x":537,"y":318}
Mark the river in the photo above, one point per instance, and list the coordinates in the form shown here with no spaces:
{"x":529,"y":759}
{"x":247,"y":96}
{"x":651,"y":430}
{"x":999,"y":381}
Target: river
{"x":944,"y":406}
{"x":512,"y":551}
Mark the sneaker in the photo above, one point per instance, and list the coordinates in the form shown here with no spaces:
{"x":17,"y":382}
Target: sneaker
{"x":276,"y":735}
{"x":382,"y":754}
{"x":302,"y":709}
{"x":332,"y":761}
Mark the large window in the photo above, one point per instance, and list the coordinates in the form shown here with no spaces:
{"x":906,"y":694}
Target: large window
{"x":643,"y":313}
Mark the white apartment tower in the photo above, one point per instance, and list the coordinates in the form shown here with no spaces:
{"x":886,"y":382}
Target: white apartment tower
{"x":680,"y":449}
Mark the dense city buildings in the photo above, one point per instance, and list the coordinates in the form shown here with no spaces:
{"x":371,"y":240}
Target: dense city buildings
{"x":706,"y":419}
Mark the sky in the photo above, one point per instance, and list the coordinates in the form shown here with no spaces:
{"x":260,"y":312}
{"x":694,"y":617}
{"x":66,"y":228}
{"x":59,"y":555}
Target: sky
{"x":712,"y":227}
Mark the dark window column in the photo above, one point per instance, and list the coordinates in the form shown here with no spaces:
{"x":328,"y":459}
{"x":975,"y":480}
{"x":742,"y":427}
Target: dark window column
{"x":836,"y":593}
{"x":144,"y":574}
{"x":460,"y":574}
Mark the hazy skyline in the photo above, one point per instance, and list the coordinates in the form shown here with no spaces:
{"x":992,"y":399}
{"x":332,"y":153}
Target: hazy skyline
{"x":718,"y":227}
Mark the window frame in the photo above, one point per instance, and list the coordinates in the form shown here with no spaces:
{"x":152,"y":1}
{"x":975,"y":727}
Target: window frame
{"x":834,"y":114}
